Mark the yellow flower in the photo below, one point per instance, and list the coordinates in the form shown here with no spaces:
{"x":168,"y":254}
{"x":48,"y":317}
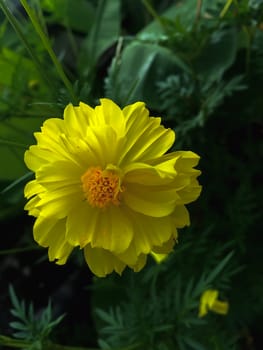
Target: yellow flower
{"x":103,"y":183}
{"x":209,"y":301}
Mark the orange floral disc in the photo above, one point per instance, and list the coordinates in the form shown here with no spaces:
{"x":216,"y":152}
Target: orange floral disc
{"x":101,"y":187}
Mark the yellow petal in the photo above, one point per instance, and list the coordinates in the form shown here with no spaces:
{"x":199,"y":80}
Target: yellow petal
{"x":108,"y":228}
{"x":51,"y":233}
{"x":31,"y":206}
{"x":180,"y":216}
{"x":102,"y":262}
{"x":140,"y":263}
{"x":209,"y":296}
{"x":145,"y":138}
{"x":129,"y":256}
{"x":203,"y":310}
{"x":35,"y":157}
{"x":166,"y":247}
{"x":114,"y":230}
{"x":42,"y":228}
{"x":160,"y":253}
{"x":55,"y":142}
{"x":147,"y":175}
{"x":158,"y":257}
{"x":190,"y":193}
{"x":50,"y":134}
{"x":50,"y":131}
{"x":76,"y":122}
{"x":86,"y":114}
{"x":111,"y":114}
{"x":58,"y":203}
{"x":105,"y":144}
{"x":186,"y":160}
{"x":209,"y":301}
{"x":50,"y":148}
{"x":155,"y":201}
{"x":220,"y":307}
{"x":81,"y":224}
{"x":151,"y":232}
{"x":52,"y":127}
{"x":60,"y":174}
{"x":32,"y":188}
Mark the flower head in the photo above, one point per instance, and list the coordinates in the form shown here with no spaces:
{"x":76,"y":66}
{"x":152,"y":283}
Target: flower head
{"x":209,"y":301}
{"x":104,"y":183}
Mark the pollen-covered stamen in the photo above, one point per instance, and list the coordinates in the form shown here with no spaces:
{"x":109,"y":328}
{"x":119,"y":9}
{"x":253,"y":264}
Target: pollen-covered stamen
{"x":101,"y":187}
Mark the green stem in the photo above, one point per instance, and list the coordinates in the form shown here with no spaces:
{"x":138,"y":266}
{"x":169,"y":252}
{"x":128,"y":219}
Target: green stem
{"x":152,"y":12}
{"x":46,"y":42}
{"x":225,"y":8}
{"x":15,"y":24}
{"x":19,"y":250}
{"x":198,"y":10}
{"x":22,"y":344}
{"x":52,"y":346}
{"x":17,"y":343}
{"x":13,"y":343}
{"x":14,"y":184}
{"x":12,"y":143}
{"x":40,"y":15}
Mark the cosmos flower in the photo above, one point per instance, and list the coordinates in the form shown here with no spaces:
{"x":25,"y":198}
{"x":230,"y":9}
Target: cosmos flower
{"x":209,"y":301}
{"x":104,"y":183}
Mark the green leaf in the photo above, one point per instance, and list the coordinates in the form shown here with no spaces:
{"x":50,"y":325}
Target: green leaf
{"x":141,"y":66}
{"x":14,"y":298}
{"x":184,"y":11}
{"x":78,"y":15}
{"x":103,"y":344}
{"x":105,"y":316}
{"x":30,"y":315}
{"x":52,"y":324}
{"x":18,"y":325}
{"x":104,"y":32}
{"x":218,"y":54}
{"x":193,"y":344}
{"x":214,"y":273}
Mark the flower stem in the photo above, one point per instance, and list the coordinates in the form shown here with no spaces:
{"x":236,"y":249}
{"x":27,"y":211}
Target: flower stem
{"x":225,"y":8}
{"x":13,"y":343}
{"x":16,"y":26}
{"x":198,"y":10}
{"x":19,"y":250}
{"x":46,"y":42}
{"x":12,"y":143}
{"x":22,"y":344}
{"x":152,"y":12}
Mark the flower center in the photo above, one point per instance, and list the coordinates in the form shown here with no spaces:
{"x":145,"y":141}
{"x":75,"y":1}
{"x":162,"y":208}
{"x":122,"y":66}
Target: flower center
{"x":101,"y":187}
